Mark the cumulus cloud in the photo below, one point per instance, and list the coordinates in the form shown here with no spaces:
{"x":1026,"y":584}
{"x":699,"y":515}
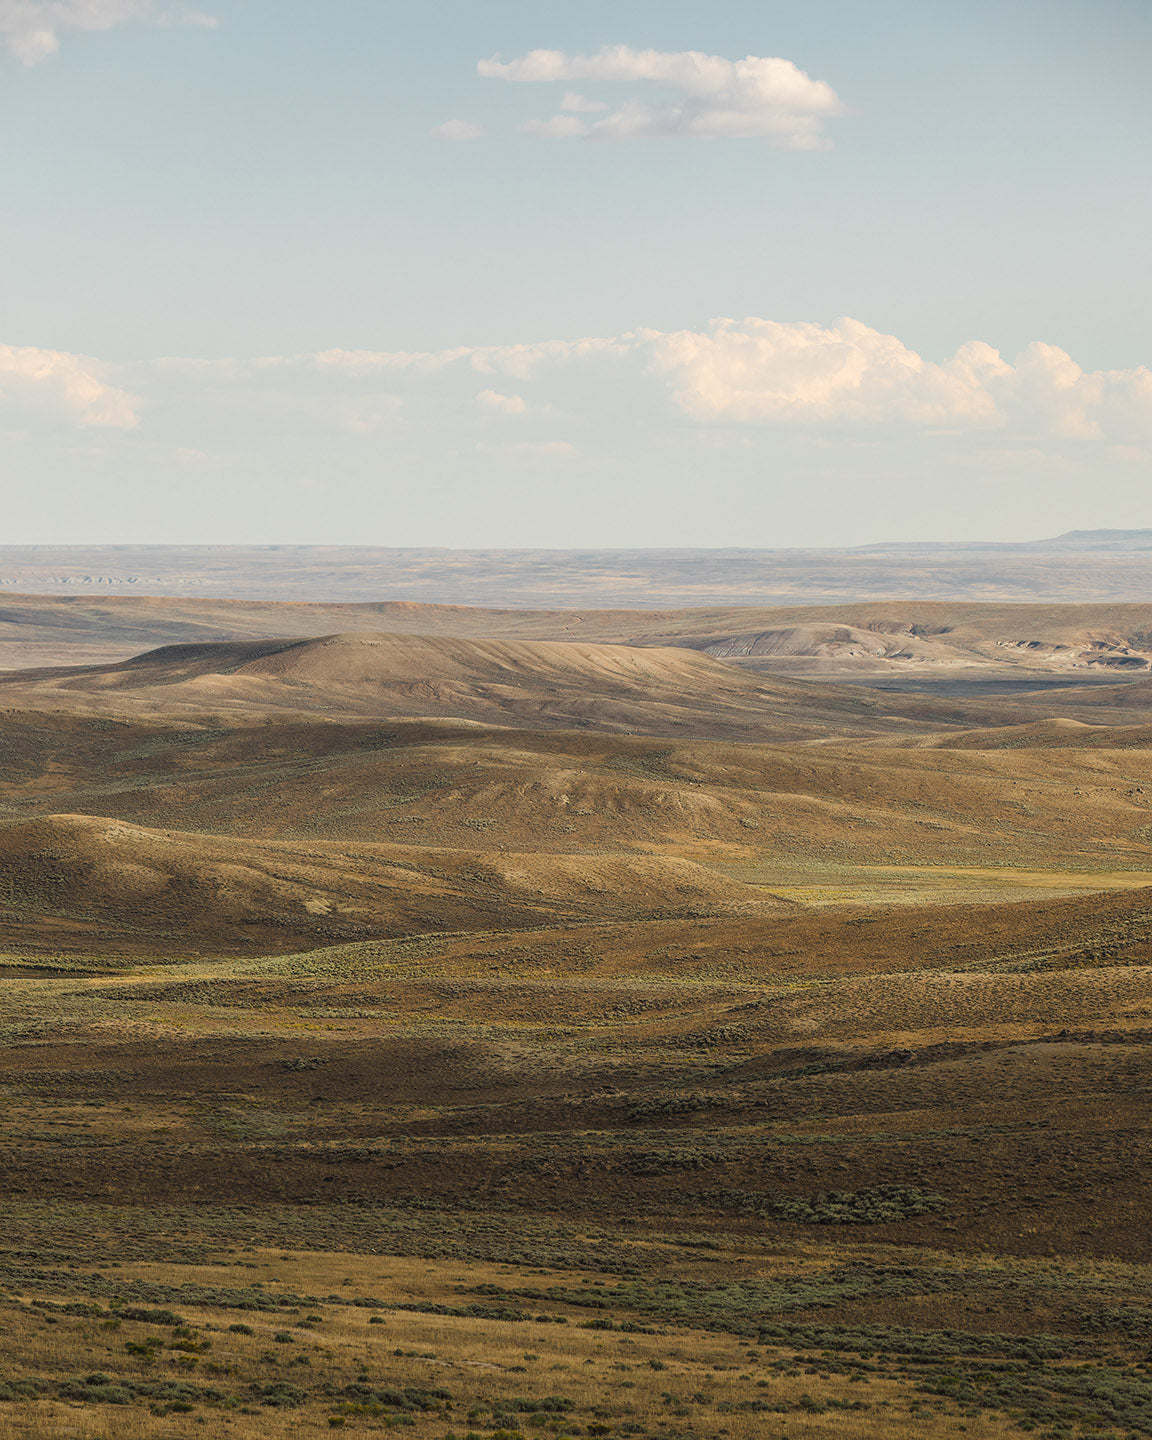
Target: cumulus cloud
{"x":759,"y":97}
{"x":844,"y":380}
{"x":577,"y":104}
{"x":519,"y":362}
{"x":766,"y":372}
{"x":557,"y":127}
{"x":762,"y":371}
{"x":55,"y":386}
{"x":504,"y":404}
{"x":31,"y":29}
{"x":457,"y":130}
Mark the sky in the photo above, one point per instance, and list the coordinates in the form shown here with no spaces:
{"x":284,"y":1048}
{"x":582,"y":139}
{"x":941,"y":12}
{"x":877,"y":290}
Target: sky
{"x":574,"y":273}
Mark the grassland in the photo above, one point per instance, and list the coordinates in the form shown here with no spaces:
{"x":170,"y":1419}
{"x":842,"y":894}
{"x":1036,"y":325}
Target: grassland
{"x":496,"y":1081}
{"x":458,"y":1186}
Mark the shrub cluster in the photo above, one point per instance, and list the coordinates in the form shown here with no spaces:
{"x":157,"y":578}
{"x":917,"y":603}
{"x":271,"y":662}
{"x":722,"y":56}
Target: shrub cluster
{"x":877,"y":1205}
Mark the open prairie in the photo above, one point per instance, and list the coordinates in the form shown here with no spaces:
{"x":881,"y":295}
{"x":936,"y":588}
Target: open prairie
{"x":498,"y":1023}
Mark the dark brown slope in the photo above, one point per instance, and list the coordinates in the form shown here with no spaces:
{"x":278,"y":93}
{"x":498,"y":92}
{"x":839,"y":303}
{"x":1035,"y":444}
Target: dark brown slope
{"x":96,"y":885}
{"x":1132,"y":696}
{"x":528,"y":684}
{"x":797,"y":943}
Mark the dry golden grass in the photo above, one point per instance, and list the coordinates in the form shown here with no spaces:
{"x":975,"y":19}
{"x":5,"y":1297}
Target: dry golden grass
{"x":652,"y":1383}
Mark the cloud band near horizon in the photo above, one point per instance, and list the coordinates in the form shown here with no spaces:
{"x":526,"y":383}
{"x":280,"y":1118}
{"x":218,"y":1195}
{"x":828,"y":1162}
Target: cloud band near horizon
{"x":749,"y":373}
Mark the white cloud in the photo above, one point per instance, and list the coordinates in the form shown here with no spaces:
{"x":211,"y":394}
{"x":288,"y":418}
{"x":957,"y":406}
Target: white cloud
{"x":519,"y":362}
{"x":504,"y":404}
{"x":762,"y":371}
{"x":31,"y":29}
{"x":557,"y":127}
{"x":457,"y":130}
{"x":767,"y":372}
{"x":53,"y":385}
{"x":759,"y":97}
{"x":835,"y":383}
{"x":577,"y":104}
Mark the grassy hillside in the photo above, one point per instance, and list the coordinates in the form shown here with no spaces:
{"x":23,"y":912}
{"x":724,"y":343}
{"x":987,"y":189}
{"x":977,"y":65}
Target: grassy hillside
{"x":390,"y":1040}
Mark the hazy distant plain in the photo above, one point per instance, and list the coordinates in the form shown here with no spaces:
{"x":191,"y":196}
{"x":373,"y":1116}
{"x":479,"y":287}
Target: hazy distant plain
{"x":1081,"y":567}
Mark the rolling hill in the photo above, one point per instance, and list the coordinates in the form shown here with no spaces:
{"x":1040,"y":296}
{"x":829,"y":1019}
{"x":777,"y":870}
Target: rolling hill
{"x":90,"y":883}
{"x":528,"y":684}
{"x":829,"y":817}
{"x":871,"y":641}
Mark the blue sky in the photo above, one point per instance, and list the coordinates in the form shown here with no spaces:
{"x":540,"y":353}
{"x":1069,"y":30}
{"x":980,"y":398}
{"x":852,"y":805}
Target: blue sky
{"x":254,"y":290}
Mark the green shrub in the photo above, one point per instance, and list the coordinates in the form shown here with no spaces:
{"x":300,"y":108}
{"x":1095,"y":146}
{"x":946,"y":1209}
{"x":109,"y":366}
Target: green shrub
{"x":877,"y":1205}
